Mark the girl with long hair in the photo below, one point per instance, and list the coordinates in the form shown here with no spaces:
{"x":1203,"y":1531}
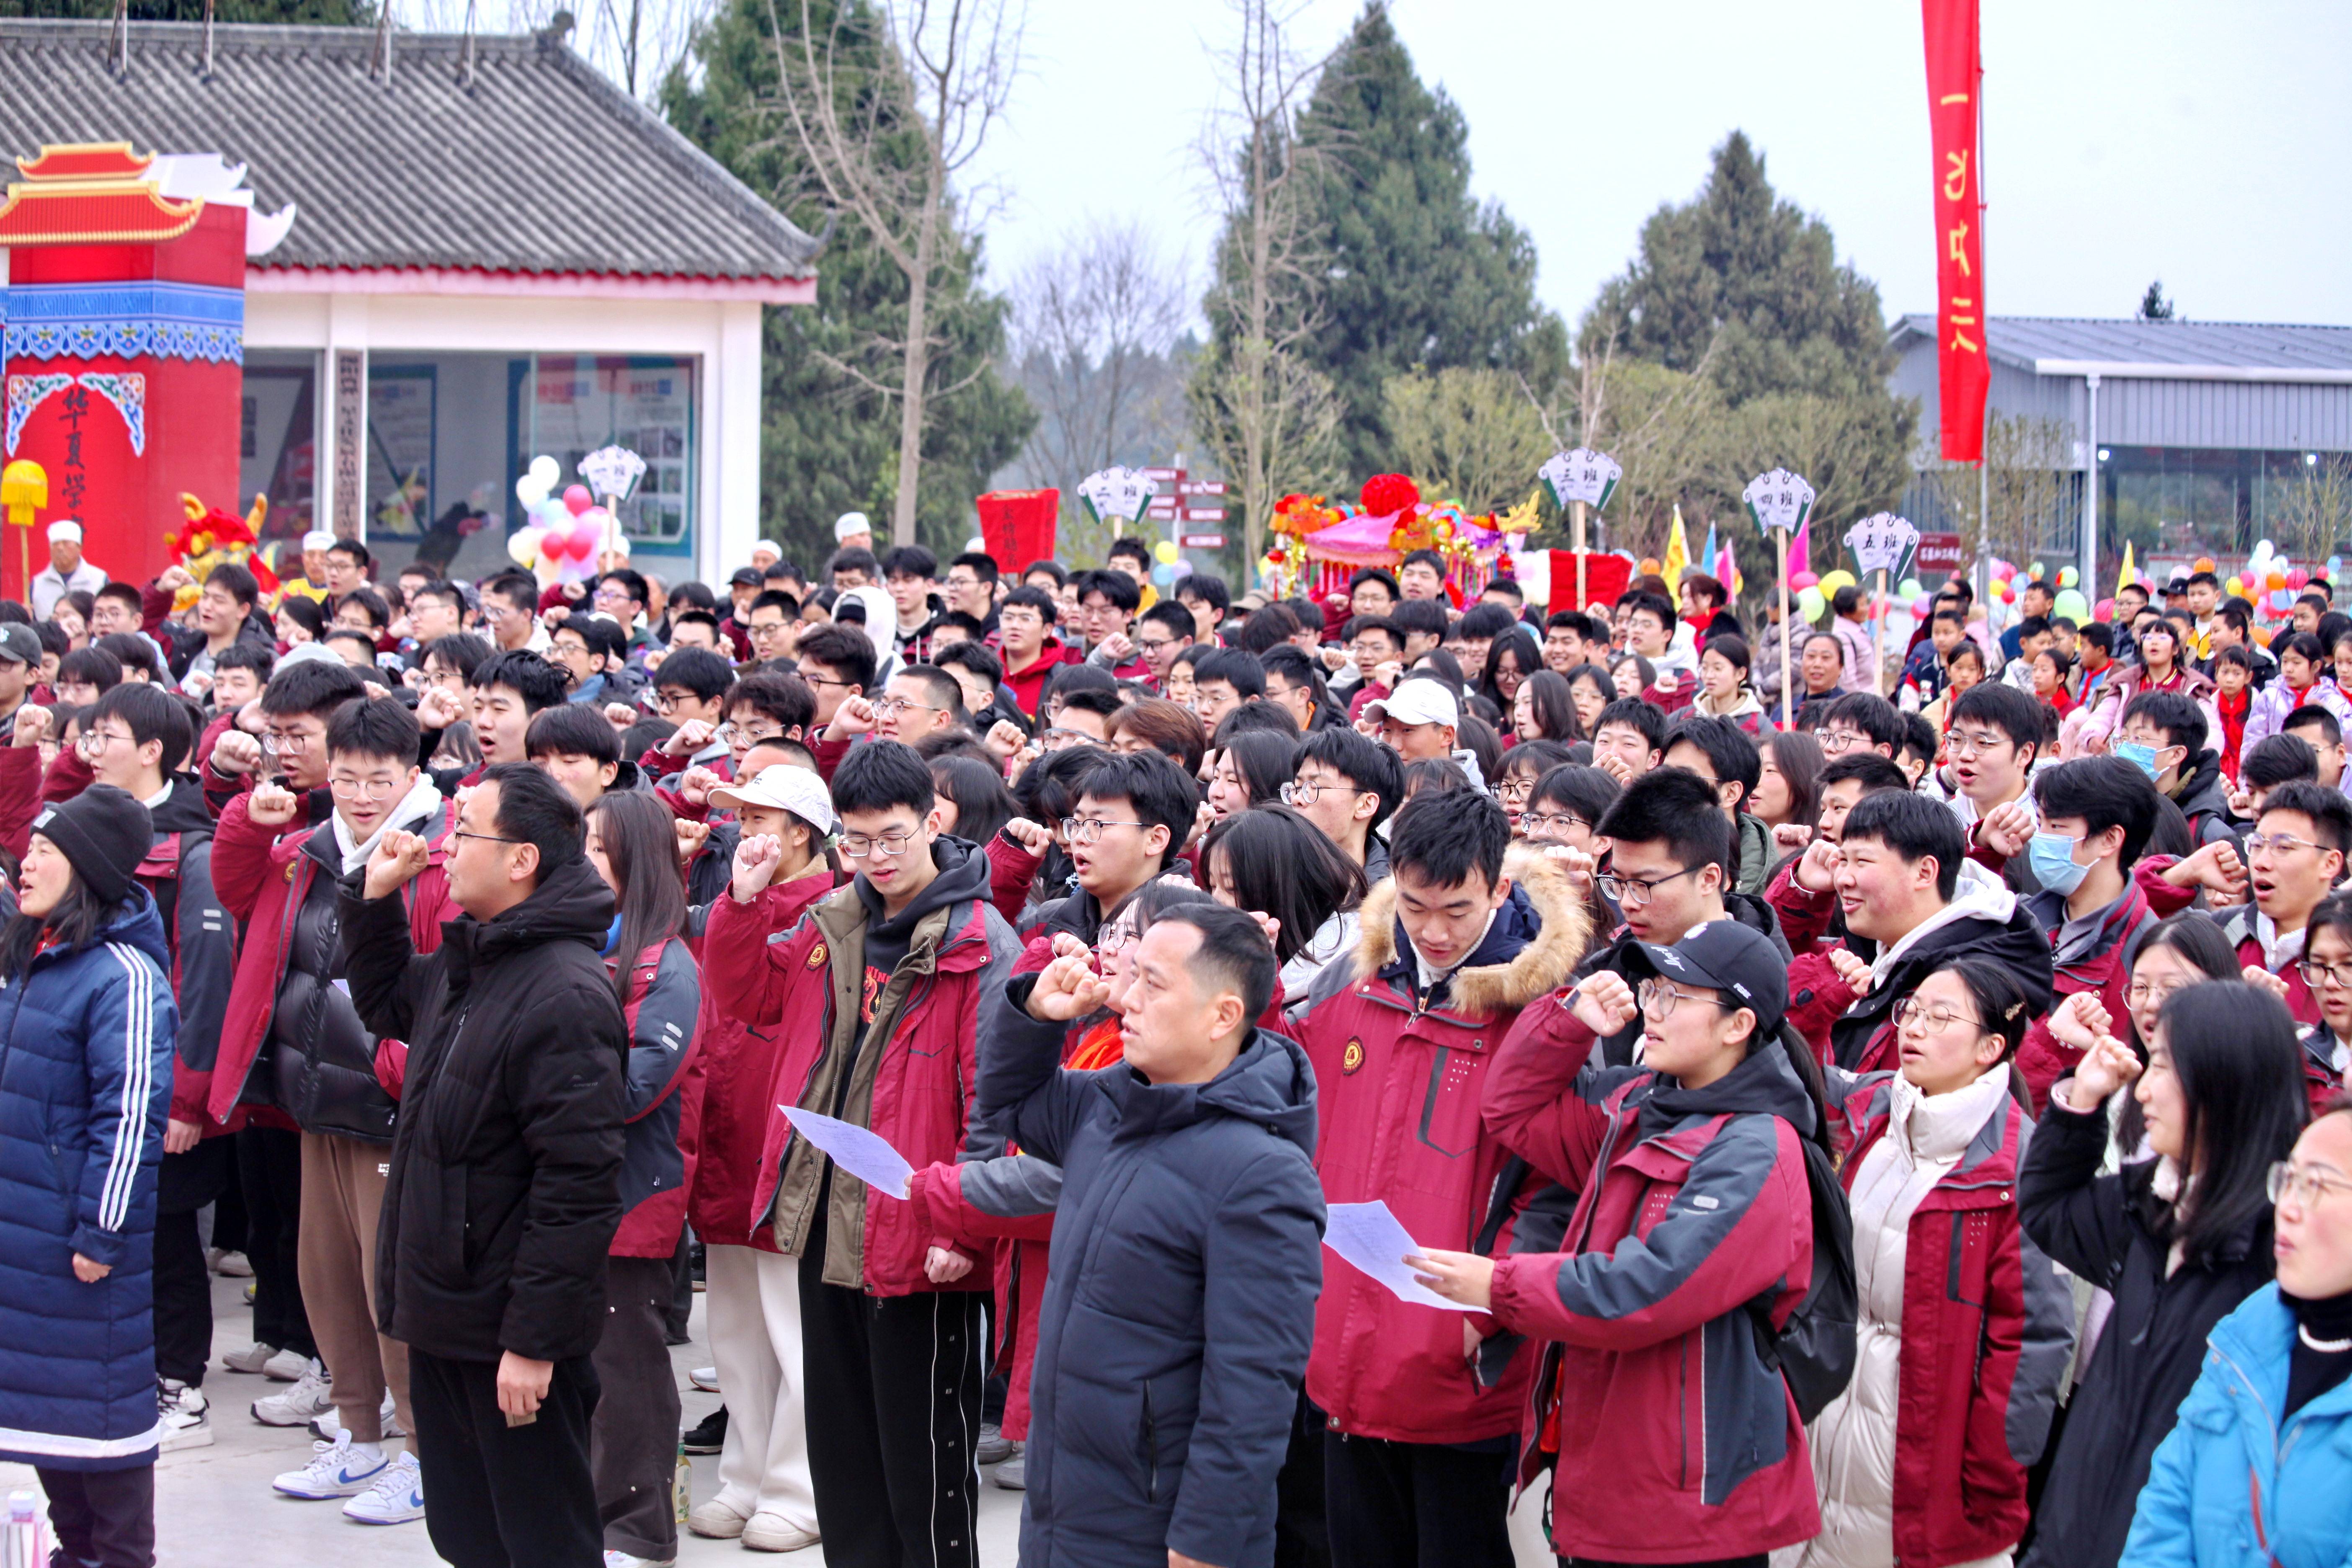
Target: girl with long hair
{"x":2179,"y":1240}
{"x":1510,"y":660}
{"x":1272,"y":861}
{"x":1249,"y":770}
{"x":1544,"y":710}
{"x":1515,"y":774}
{"x":633,"y":843}
{"x":1590,"y":685}
{"x":1723,"y":688}
{"x":1923,"y":1458}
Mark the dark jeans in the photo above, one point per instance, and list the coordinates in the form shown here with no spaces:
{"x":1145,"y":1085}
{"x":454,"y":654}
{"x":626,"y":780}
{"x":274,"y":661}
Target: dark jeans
{"x":633,"y":1441}
{"x":1400,"y":1505}
{"x":103,"y":1517}
{"x":269,"y":1169}
{"x":894,"y":1410}
{"x":499,"y":1495}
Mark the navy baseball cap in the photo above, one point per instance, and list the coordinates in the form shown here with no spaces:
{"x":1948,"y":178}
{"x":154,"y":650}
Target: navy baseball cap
{"x":1724,"y":956}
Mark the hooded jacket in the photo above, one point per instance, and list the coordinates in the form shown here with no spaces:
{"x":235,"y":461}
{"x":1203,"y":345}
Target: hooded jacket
{"x":2234,"y":1485}
{"x":2089,"y":956}
{"x":1028,"y":683}
{"x":724,"y":1124}
{"x":504,"y":1192}
{"x":1675,"y":1439}
{"x":2241,"y":926}
{"x":329,"y":1075}
{"x":1926,"y":1445}
{"x":2266,"y":715}
{"x":2204,"y":796}
{"x":2321,"y":1075}
{"x":892,"y":1046}
{"x":1983,"y":919}
{"x":85,"y":1079}
{"x":665,"y":1001}
{"x":1747,"y":910}
{"x":1175,"y":1327}
{"x":1399,"y":1075}
{"x":2114,"y":1232}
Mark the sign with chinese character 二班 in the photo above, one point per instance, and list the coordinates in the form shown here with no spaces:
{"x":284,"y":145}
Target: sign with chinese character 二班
{"x":1118,"y":493}
{"x":1779,"y":499}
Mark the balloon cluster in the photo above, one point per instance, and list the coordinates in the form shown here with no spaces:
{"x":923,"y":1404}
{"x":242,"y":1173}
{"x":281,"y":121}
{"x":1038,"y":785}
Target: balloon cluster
{"x":566,"y":531}
{"x":2270,"y":580}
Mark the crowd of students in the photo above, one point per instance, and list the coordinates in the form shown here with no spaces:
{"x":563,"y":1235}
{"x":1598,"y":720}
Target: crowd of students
{"x":1914,"y":1134}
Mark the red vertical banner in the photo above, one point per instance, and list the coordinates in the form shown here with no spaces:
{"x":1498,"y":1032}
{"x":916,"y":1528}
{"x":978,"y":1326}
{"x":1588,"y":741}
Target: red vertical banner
{"x":1955,"y":74}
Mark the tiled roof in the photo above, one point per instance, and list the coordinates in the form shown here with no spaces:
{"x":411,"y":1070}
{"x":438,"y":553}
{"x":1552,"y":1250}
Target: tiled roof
{"x":2029,"y":340}
{"x":541,"y":165}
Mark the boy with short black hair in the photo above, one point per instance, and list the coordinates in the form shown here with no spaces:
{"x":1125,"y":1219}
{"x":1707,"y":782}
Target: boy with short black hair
{"x":2320,"y":730}
{"x":1994,"y":738}
{"x":892,"y":1321}
{"x":1719,"y":752}
{"x":1628,"y":738}
{"x":2164,"y":734}
{"x":1026,"y":623}
{"x":2295,"y":857}
{"x":1348,"y":785}
{"x":1133,"y":814}
{"x":578,"y":749}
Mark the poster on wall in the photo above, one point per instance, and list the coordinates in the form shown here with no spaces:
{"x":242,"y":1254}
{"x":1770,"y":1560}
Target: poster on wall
{"x":400,"y":449}
{"x":644,"y":403}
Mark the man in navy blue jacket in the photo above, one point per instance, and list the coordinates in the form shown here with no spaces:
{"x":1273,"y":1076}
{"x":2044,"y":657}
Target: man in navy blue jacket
{"x":1176,"y":1322}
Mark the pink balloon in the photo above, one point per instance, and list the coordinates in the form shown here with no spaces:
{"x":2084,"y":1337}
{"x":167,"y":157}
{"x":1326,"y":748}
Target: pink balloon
{"x":2105,"y":610}
{"x":577,"y":500}
{"x":1803,"y":580}
{"x":1922,"y":605}
{"x":585,"y":537}
{"x":2297,"y":578}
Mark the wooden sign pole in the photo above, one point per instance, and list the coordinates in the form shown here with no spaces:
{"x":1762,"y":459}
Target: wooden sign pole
{"x":1576,"y":510}
{"x":1878,"y":674}
{"x":1787,"y":670}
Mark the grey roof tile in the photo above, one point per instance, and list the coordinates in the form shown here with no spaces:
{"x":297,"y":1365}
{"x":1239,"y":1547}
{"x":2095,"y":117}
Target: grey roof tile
{"x":2022,"y":339}
{"x":541,"y":165}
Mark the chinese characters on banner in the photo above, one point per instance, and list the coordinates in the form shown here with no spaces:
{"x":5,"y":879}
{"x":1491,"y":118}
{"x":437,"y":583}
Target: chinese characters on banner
{"x":1954,"y":72}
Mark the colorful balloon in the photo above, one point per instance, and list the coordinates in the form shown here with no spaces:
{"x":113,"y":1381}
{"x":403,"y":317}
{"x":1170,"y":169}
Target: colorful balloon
{"x":2068,"y":577}
{"x":2105,"y":610}
{"x":522,"y":547}
{"x":577,"y":500}
{"x":1809,"y":604}
{"x":1801,"y":581}
{"x":1165,"y":552}
{"x":2071,"y":603}
{"x":2234,"y":587}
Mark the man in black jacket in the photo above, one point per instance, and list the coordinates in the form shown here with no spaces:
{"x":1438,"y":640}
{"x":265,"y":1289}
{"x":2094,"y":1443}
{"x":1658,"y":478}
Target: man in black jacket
{"x":1175,"y":1324}
{"x":504,"y":1191}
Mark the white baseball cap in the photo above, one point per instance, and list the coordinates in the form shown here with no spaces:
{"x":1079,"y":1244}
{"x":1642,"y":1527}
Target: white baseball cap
{"x":851,"y":522}
{"x":318,"y":539}
{"x":1417,"y":701}
{"x":65,"y":531}
{"x":782,"y":788}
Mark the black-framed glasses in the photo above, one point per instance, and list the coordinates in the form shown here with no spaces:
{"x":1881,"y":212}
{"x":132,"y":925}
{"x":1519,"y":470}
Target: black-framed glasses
{"x":2312,"y":972}
{"x":1633,"y":893}
{"x":1531,"y":822}
{"x":1300,"y":793}
{"x":1088,"y":830}
{"x":890,"y":846}
{"x":1657,"y":999}
{"x":1514,"y":791}
{"x":486,"y":838}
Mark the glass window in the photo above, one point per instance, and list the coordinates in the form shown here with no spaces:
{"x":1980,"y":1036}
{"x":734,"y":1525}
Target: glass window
{"x":574,"y":405}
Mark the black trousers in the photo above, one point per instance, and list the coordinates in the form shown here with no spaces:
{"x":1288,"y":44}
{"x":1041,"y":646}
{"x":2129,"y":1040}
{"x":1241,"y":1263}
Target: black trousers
{"x":269,"y":1169}
{"x":894,"y":1386}
{"x":1416,"y":1505}
{"x":633,"y":1441}
{"x":102,"y":1516}
{"x":499,"y":1495}
{"x":183,"y":1286}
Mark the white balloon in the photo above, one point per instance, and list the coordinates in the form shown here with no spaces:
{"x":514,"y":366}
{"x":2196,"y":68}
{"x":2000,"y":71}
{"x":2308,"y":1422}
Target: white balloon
{"x":546,"y":471}
{"x":531,"y":489}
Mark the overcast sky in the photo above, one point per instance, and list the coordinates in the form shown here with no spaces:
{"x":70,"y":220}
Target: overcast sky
{"x":2203,"y":144}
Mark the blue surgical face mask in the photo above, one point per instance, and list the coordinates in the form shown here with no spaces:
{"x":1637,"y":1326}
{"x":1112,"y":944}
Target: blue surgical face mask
{"x":2139,"y":756}
{"x":2052,"y":856}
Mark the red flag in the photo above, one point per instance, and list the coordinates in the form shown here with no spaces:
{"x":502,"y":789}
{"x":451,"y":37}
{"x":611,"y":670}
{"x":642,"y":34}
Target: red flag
{"x":1018,"y":526}
{"x":1955,"y":73}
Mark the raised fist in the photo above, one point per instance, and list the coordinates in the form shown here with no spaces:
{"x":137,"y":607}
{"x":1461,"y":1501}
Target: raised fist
{"x":236,"y":752}
{"x":398,"y":858}
{"x":695,"y":784}
{"x":853,"y":717}
{"x":33,"y":723}
{"x":1068,"y":989}
{"x":691,"y":738}
{"x":1033,"y":837}
{"x":438,"y":708}
{"x":1604,"y":1003}
{"x":271,"y":806}
{"x":756,"y":859}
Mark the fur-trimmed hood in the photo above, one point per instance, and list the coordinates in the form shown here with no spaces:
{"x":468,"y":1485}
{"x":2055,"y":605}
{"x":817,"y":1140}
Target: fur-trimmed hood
{"x":1544,"y":915}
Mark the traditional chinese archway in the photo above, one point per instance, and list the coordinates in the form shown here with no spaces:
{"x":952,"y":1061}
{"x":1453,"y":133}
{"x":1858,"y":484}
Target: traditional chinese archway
{"x":123,"y":344}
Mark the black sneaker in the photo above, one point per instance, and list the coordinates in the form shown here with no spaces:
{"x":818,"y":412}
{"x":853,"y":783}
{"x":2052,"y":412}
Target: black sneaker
{"x":710,"y":1435}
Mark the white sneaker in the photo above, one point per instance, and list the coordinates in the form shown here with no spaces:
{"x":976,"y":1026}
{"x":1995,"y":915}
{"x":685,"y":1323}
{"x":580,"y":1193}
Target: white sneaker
{"x":253,"y":1358}
{"x":339,"y":1468}
{"x":233,"y":1266}
{"x":766,"y":1531}
{"x":298,"y":1404}
{"x":329,"y":1424}
{"x":622,"y":1560}
{"x":705,"y":1378}
{"x":286,"y":1366}
{"x":183,"y":1412}
{"x":397,"y":1496}
{"x":717,"y":1521}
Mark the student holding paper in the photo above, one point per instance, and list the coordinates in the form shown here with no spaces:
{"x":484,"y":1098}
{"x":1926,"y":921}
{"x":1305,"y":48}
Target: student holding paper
{"x":1671,"y":1440}
{"x":1416,"y":1454}
{"x":876,"y":997}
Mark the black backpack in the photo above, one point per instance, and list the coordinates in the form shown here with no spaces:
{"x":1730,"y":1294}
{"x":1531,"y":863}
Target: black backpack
{"x":1814,"y":1351}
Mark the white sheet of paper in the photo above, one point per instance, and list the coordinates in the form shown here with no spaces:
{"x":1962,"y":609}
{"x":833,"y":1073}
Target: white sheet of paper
{"x":863,"y":1153}
{"x":1370,"y":1237}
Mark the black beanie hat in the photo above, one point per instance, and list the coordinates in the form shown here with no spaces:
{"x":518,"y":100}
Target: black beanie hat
{"x":104,"y":834}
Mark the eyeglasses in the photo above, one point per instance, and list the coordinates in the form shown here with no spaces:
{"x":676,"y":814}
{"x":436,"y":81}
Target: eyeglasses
{"x":2278,"y":843}
{"x":892,"y":707}
{"x":858,"y":845}
{"x":819,"y":679}
{"x":1115,"y":939}
{"x":486,"y":837}
{"x":2140,"y":992}
{"x":364,"y":789}
{"x":1836,"y":742}
{"x":1966,"y":743}
{"x":731,"y":733}
{"x":1155,"y":645}
{"x":666,"y":701}
{"x":1634,"y":893}
{"x":1657,"y":998}
{"x":1931,"y":1018}
{"x":1088,"y":830}
{"x":2313,"y":974}
{"x":2283,"y":1181}
{"x":91,"y":742}
{"x":288,"y":741}
{"x":1514,"y":791}
{"x":1301,"y":792}
{"x":1534,"y":822}
{"x":1057,"y":736}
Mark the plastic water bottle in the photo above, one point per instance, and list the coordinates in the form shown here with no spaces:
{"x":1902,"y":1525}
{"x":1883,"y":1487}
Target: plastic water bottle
{"x":24,"y":1545}
{"x":681,"y":1485}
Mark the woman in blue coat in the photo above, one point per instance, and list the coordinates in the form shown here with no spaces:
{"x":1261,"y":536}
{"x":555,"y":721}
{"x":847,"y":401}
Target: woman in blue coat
{"x":2258,"y":1471}
{"x":86,"y":1030}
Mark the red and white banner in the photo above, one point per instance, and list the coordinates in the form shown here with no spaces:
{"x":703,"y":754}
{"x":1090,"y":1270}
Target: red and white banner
{"x":1955,"y":74}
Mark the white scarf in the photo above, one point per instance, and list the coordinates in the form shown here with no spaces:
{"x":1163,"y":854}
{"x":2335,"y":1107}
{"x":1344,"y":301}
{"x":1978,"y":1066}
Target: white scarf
{"x":417,"y":807}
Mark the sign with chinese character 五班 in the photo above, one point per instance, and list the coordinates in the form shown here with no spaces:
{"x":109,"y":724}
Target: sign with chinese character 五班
{"x":1880,"y":542}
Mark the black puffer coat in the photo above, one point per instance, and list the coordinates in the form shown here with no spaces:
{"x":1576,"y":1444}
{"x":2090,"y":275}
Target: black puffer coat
{"x":506,"y":1165}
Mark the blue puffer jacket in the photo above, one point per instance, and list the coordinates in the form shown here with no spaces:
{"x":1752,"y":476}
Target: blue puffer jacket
{"x":2231,"y":1488}
{"x":85,"y":1081}
{"x":1178,"y":1315}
